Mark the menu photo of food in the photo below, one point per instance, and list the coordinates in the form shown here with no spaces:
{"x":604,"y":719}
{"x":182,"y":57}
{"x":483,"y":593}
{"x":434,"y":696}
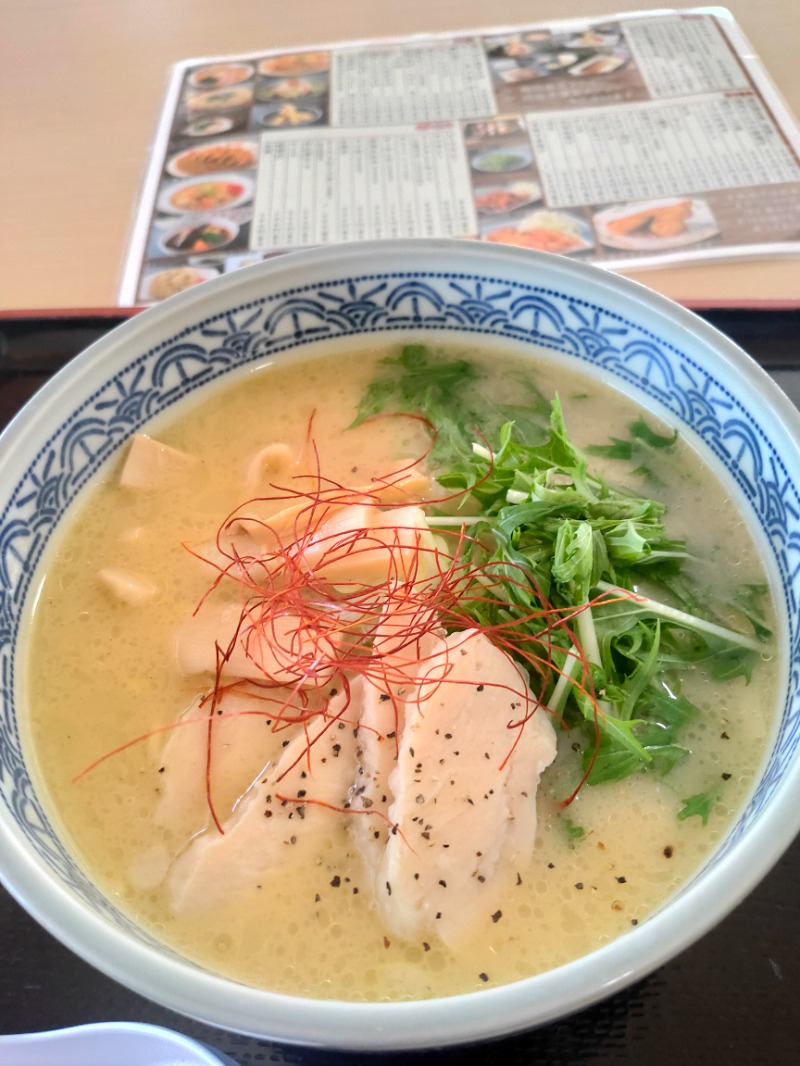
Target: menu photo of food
{"x":607,"y":36}
{"x":518,"y":58}
{"x":563,"y":232}
{"x":193,"y":195}
{"x":649,"y":226}
{"x":491,"y":128}
{"x":501,"y":159}
{"x":292,"y":115}
{"x":218,"y":75}
{"x":280,"y":90}
{"x":215,"y":99}
{"x":291,"y":91}
{"x":158,"y":283}
{"x":494,"y":200}
{"x":227,"y":98}
{"x":600,"y":63}
{"x":208,"y":207}
{"x":213,"y":157}
{"x":295,"y":64}
{"x":502,"y":168}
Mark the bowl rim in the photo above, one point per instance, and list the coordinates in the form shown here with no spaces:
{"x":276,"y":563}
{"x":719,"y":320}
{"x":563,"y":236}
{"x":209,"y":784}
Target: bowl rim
{"x":468,"y":1017}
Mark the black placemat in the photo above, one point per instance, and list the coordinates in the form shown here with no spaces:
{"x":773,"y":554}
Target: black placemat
{"x":733,"y":998}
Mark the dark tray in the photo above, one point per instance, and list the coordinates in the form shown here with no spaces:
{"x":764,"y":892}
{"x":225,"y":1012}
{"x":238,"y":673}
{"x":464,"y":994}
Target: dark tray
{"x":731,"y":999}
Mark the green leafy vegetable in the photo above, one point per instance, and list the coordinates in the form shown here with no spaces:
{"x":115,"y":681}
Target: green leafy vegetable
{"x":701,"y":805}
{"x":564,"y":555}
{"x":574,"y":832}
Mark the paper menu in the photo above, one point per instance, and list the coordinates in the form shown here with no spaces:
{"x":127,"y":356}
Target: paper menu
{"x":636,"y":140}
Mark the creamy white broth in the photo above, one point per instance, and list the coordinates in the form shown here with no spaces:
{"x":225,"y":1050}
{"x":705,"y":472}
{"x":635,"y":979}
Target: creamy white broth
{"x":102,"y":673}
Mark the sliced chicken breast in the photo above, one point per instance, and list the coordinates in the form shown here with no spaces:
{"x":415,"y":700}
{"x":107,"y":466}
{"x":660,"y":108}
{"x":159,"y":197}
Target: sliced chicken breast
{"x":288,"y":818}
{"x":463,"y":790}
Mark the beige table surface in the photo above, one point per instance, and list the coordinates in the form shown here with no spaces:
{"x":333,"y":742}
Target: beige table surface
{"x":82,"y":83}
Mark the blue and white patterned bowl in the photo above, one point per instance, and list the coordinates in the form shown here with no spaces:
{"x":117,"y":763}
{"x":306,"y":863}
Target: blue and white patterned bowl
{"x":661,"y":354}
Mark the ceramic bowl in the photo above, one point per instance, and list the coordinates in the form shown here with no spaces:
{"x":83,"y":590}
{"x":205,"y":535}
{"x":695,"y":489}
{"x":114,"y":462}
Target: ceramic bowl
{"x":675,"y":364}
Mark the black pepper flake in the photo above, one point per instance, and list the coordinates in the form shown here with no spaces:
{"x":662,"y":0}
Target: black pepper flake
{"x":317,"y":897}
{"x":425,"y":835}
{"x":384,"y":696}
{"x":448,"y":736}
{"x":634,"y":921}
{"x":391,"y":735}
{"x":333,"y":692}
{"x":285,"y":744}
{"x":443,"y":884}
{"x":355,"y":890}
{"x":519,"y":879}
{"x":426,"y":946}
{"x":483,"y":976}
{"x":336,"y":881}
{"x":479,"y":688}
{"x":481,"y":878}
{"x":388,"y":888}
{"x":411,"y":752}
{"x":420,"y":798}
{"x":726,"y":777}
{"x":724,"y":736}
{"x":161,"y":769}
{"x":621,"y":880}
{"x":387,"y":942}
{"x":268,"y":814}
{"x":551,"y":866}
{"x":668,"y":851}
{"x":497,"y":916}
{"x":292,"y":840}
{"x":416,"y":877}
{"x":300,"y":793}
{"x":438,"y":915}
{"x":579,"y":884}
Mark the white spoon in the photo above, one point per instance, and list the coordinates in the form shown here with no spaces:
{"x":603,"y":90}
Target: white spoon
{"x":117,"y":1043}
